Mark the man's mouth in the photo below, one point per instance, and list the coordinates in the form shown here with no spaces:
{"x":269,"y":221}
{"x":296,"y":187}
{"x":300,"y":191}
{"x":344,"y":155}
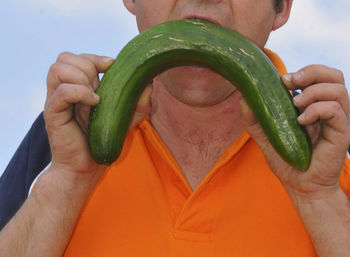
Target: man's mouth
{"x":206,"y":18}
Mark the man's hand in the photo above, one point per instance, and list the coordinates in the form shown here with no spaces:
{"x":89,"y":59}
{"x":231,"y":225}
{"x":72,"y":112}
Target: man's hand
{"x":45,"y":222}
{"x":71,"y":83}
{"x":320,"y":202}
{"x":324,"y":107}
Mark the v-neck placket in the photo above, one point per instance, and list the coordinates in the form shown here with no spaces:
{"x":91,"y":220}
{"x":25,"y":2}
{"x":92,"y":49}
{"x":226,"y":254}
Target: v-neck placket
{"x":193,"y":212}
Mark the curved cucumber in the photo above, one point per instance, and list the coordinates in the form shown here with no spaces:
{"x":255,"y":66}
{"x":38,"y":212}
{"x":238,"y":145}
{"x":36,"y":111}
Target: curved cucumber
{"x":199,"y":42}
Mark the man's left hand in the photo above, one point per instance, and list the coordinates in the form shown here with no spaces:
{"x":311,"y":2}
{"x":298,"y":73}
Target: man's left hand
{"x":324,"y":111}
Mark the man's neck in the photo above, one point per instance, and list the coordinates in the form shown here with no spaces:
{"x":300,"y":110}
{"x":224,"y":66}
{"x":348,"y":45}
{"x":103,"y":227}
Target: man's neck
{"x":196,"y":136}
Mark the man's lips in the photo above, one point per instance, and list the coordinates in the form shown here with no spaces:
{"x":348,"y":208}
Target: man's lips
{"x":199,"y":68}
{"x":206,"y":18}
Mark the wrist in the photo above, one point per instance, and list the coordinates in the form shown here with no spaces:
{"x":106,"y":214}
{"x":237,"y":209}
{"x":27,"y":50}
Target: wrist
{"x":328,"y":194}
{"x":46,"y":220}
{"x":58,"y":185}
{"x":326,"y":217}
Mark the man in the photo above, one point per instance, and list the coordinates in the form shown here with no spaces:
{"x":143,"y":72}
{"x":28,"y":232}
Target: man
{"x":190,"y":180}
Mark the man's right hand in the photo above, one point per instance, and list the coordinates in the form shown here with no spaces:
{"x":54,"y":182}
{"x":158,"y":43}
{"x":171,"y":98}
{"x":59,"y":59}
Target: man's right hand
{"x":71,"y":83}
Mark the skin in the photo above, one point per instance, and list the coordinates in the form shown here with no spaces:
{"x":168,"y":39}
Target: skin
{"x":195,"y":96}
{"x":209,"y":88}
{"x":190,"y":87}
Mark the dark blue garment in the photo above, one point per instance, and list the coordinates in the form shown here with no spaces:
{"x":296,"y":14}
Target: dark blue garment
{"x":31,"y":157}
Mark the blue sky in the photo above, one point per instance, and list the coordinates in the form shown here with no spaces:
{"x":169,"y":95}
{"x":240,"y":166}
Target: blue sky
{"x":34,"y":32}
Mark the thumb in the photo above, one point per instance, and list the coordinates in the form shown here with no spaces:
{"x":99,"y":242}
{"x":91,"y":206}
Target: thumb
{"x":143,"y":107}
{"x":252,"y":125}
{"x":101,"y":63}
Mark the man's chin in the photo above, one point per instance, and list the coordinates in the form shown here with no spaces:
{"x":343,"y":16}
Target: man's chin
{"x":195,"y":78}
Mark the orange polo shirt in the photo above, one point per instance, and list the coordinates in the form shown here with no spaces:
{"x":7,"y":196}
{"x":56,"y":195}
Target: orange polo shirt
{"x":143,"y":206}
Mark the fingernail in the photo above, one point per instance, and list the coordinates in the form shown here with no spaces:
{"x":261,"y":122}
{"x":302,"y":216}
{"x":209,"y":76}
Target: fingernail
{"x":145,"y":96}
{"x":97,"y":97}
{"x":297,"y":99}
{"x":298,"y":75}
{"x":287,"y":77}
{"x":244,"y":105}
{"x":107,"y":59}
{"x":301,"y":117}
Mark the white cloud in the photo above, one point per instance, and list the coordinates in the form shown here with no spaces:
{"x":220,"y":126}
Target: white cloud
{"x":317,"y":32}
{"x":314,"y":24}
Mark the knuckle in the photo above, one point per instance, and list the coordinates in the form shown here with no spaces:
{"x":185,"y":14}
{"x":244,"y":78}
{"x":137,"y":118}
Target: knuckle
{"x":54,"y":68}
{"x":312,"y":68}
{"x":86,"y":55}
{"x":81,"y":78}
{"x":89,"y":65}
{"x":62,"y":91}
{"x":335,"y":107}
{"x":341,"y":77}
{"x":91,"y":70}
{"x":338,"y":76}
{"x":63,"y":56}
{"x":343,"y":90}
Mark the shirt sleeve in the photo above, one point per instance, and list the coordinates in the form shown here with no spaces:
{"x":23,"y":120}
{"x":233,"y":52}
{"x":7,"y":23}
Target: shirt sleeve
{"x":31,"y":157}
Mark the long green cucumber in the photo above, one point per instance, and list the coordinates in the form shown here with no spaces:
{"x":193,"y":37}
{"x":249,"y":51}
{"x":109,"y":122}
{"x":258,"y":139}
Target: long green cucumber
{"x":203,"y":43}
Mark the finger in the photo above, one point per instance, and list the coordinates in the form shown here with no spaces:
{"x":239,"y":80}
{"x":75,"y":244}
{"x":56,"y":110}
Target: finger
{"x":95,"y":83}
{"x":80,"y":62}
{"x":251,"y":124}
{"x":101,"y":63}
{"x":143,"y":107}
{"x":331,"y":141}
{"x":63,"y":99}
{"x":312,"y":74}
{"x":254,"y":129}
{"x":63,"y":73}
{"x":144,"y":102}
{"x":90,"y":64}
{"x":81,"y":114}
{"x":323,"y":92}
{"x":248,"y":117}
{"x":329,"y":112}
